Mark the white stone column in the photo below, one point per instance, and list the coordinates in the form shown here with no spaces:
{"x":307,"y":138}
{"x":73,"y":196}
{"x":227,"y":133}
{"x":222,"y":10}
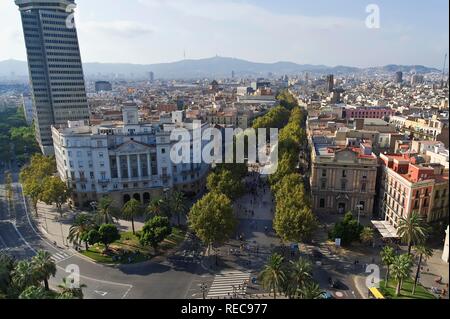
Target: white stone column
{"x":149,"y":167}
{"x":119,"y":171}
{"x":139,"y":165}
{"x":129,"y":166}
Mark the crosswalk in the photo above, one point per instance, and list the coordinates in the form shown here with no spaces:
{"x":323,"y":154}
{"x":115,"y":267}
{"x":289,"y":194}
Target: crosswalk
{"x":60,"y":256}
{"x":229,"y":284}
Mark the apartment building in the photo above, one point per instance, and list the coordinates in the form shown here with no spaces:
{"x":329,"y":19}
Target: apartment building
{"x":410,"y":185}
{"x":422,"y":128}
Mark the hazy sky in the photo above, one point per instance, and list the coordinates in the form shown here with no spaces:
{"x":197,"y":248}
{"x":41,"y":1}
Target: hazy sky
{"x":331,"y":32}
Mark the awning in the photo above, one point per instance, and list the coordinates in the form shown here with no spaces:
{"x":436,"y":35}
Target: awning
{"x":385,"y":229}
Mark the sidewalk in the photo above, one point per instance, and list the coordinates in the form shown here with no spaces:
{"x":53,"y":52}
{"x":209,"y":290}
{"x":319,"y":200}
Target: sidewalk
{"x":56,"y":228}
{"x":432,"y":269}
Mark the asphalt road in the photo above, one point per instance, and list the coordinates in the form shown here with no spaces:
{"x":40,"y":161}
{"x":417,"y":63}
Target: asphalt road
{"x":150,"y":280}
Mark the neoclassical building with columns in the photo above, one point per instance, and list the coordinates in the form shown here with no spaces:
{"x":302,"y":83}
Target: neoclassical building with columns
{"x":343,"y":176}
{"x":126,"y":159}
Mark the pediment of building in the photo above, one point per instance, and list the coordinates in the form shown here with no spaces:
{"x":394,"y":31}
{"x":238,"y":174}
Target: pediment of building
{"x":131,"y":147}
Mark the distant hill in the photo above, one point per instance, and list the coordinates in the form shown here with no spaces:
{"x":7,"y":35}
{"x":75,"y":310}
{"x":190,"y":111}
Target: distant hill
{"x":212,"y":67}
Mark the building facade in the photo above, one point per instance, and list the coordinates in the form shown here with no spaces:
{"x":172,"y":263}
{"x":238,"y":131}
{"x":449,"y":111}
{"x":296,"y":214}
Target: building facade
{"x":407,"y":187}
{"x":124,"y":160}
{"x":28,"y":108}
{"x":367,"y":112}
{"x":343,"y":178}
{"x":419,"y":128}
{"x":54,"y":62}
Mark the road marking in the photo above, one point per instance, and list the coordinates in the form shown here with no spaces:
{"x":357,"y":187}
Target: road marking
{"x":63,"y":269}
{"x":101,"y":293}
{"x":223,"y":283}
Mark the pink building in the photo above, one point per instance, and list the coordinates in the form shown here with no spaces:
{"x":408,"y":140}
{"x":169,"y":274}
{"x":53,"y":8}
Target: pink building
{"x":367,"y":112}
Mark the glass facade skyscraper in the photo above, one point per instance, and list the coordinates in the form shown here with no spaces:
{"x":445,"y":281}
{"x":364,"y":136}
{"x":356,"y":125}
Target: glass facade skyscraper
{"x":55,"y":68}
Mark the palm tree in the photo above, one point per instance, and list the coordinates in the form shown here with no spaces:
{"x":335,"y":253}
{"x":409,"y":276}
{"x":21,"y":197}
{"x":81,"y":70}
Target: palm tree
{"x":155,"y":207}
{"x":412,"y":230}
{"x":311,"y":291}
{"x":82,"y":225}
{"x":34,"y":293}
{"x":401,"y":269}
{"x":24,"y":275}
{"x":367,"y":235}
{"x":68,"y":291}
{"x":424,"y":254}
{"x":106,"y":212}
{"x":273,"y":276}
{"x":178,"y":203}
{"x":43,"y":266}
{"x":299,"y":275}
{"x":387,"y":257}
{"x":131,"y":210}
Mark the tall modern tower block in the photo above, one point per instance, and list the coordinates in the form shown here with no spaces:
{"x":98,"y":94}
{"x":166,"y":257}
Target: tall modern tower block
{"x":54,"y":63}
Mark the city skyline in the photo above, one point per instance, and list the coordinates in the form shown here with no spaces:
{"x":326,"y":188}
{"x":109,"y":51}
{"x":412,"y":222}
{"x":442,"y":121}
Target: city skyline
{"x":239,"y":29}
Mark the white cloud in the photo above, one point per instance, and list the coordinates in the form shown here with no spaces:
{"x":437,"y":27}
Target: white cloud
{"x":151,"y":31}
{"x":117,"y":28}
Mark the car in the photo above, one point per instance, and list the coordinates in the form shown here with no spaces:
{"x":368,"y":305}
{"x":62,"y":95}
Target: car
{"x":335,"y":283}
{"x":327,"y":295}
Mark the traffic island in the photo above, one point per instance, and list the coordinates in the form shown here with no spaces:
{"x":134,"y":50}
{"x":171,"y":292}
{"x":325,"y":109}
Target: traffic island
{"x":128,"y":250}
{"x":406,"y":291}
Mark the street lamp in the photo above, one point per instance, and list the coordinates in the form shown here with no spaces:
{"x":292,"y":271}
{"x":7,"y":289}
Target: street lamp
{"x":204,"y":289}
{"x":359,"y":207}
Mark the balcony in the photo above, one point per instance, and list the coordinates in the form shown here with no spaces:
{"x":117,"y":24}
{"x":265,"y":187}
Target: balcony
{"x":104,"y":181}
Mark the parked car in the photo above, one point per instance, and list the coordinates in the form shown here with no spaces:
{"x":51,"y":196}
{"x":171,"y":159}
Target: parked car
{"x":327,"y":295}
{"x":335,"y":283}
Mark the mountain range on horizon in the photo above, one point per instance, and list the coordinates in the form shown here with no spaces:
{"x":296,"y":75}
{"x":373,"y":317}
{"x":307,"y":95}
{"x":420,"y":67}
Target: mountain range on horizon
{"x":214,"y":67}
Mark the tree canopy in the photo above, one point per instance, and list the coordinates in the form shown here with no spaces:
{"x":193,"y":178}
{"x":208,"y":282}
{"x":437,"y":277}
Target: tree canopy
{"x":212,"y":218}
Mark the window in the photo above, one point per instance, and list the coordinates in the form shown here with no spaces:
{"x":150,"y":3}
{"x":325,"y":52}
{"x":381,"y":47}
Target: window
{"x":323,"y":185}
{"x":322,"y":203}
{"x":343,"y":185}
{"x":344,"y":173}
{"x":324,"y":173}
{"x":363,"y":187}
{"x":163,"y":151}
